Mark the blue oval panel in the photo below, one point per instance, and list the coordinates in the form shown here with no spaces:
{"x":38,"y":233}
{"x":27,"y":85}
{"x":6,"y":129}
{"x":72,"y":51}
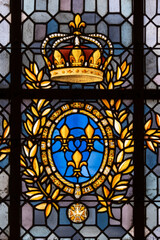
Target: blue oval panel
{"x":91,"y":156}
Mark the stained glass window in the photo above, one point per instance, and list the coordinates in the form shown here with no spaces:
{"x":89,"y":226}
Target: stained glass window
{"x":79,"y":119}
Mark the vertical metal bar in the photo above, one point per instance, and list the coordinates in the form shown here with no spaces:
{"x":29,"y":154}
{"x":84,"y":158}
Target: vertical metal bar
{"x":15,"y":120}
{"x":138,"y":121}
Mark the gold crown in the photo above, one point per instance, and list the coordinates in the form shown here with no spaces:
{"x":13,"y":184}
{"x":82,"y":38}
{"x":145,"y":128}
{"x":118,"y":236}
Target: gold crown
{"x":76,"y":62}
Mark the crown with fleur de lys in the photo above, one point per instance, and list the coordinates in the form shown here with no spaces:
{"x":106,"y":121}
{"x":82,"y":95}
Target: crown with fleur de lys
{"x":76,"y":62}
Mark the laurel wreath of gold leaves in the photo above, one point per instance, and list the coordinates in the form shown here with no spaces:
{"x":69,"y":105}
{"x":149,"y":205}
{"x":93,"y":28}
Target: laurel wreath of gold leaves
{"x":122,"y":166}
{"x":122,"y":71}
{"x":39,"y":187}
{"x":4,"y":140}
{"x":35,"y":78}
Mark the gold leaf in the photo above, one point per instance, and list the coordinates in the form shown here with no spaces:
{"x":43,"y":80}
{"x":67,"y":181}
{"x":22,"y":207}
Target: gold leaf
{"x":33,"y":151}
{"x":148,"y":124}
{"x":22,"y":163}
{"x":37,"y":197}
{"x":102,"y":201}
{"x":31,"y":172}
{"x":115,"y":168}
{"x":127,"y":143}
{"x":43,"y":121}
{"x":6,"y":132}
{"x":110,"y":120}
{"x":109,"y":113}
{"x":123,"y":117}
{"x":5,"y":150}
{"x":130,"y":169}
{"x":110,"y":86}
{"x":25,"y":173}
{"x":41,"y":169}
{"x":41,"y":206}
{"x":32,"y":193}
{"x":116,"y":179}
{"x":30,"y":117}
{"x":112,"y":102}
{"x":36,"y":127}
{"x":108,"y":76}
{"x":121,"y":188}
{"x":103,"y":209}
{"x":28,"y":181}
{"x":117,"y":198}
{"x":48,"y":209}
{"x":122,"y":183}
{"x":40,"y":104}
{"x":111,"y":72}
{"x":60,"y":197}
{"x":118,"y":104}
{"x":117,"y":126}
{"x":118,"y":83}
{"x":26,"y":150}
{"x":31,"y":75}
{"x":55,"y":194}
{"x":29,"y":125}
{"x":29,"y":79}
{"x":131,"y":126}
{"x":123,"y":66}
{"x":32,"y":188}
{"x":101,"y":86}
{"x":34,"y":111}
{"x":125,"y":131}
{"x":120,"y":144}
{"x":2,"y":156}
{"x":40,"y":131}
{"x":35,"y":68}
{"x":150,"y":145}
{"x":118,"y":73}
{"x":106,"y":191}
{"x":55,"y":205}
{"x":151,"y":131}
{"x":126,"y":71}
{"x":29,"y":86}
{"x":5,"y":123}
{"x":158,"y":120}
{"x":40,"y":75}
{"x":124,"y":165}
{"x":110,"y":178}
{"x":44,"y":179}
{"x":46,"y":84}
{"x":36,"y":166}
{"x":120,"y":157}
{"x":106,"y":103}
{"x":30,"y":144}
{"x":48,"y":189}
{"x":26,"y":127}
{"x":46,"y":111}
{"x":129,"y":150}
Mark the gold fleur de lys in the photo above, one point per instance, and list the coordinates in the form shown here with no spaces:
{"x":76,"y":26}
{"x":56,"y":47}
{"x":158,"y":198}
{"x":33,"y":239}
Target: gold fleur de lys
{"x":64,"y":137}
{"x":77,"y":163}
{"x":89,"y":131}
{"x":34,"y":76}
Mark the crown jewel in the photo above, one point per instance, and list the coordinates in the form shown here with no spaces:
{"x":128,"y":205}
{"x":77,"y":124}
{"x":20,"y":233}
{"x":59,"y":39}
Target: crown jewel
{"x":71,"y":60}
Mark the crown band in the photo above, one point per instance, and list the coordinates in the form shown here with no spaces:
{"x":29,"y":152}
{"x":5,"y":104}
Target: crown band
{"x":77,"y":75}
